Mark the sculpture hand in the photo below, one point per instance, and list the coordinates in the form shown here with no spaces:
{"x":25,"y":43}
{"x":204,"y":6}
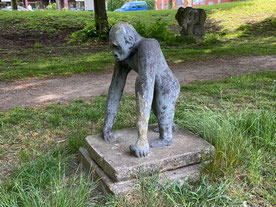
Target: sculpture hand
{"x":108,"y":135}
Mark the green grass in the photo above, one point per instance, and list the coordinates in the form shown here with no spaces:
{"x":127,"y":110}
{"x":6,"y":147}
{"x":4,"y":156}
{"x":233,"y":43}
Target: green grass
{"x":43,"y":182}
{"x":41,"y":23}
{"x":43,"y":66}
{"x":233,"y":29}
{"x":237,"y":115}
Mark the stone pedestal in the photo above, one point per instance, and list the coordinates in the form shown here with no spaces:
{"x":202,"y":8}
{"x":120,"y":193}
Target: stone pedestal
{"x":117,"y":168}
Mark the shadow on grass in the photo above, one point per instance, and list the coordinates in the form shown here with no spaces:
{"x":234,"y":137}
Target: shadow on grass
{"x":265,"y":28}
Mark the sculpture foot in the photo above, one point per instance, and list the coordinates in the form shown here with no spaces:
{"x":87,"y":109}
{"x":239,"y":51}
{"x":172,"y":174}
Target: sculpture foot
{"x":156,"y":130}
{"x":139,"y":151}
{"x":160,"y":143}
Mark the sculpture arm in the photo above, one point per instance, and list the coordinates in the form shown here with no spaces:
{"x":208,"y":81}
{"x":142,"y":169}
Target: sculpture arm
{"x":114,"y":96}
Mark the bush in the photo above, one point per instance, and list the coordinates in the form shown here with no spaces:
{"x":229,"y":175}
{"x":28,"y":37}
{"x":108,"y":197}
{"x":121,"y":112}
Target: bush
{"x":157,"y":30}
{"x":151,"y":4}
{"x":211,"y":39}
{"x":90,"y":32}
{"x":114,"y":4}
{"x":51,"y":6}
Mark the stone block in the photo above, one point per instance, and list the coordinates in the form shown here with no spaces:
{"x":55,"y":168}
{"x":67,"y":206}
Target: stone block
{"x":115,"y":161}
{"x":106,"y":184}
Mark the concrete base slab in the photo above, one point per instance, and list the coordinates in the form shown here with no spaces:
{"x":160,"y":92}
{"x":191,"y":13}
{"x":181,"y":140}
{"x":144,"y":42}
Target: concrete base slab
{"x":119,"y":165}
{"x":124,"y":187}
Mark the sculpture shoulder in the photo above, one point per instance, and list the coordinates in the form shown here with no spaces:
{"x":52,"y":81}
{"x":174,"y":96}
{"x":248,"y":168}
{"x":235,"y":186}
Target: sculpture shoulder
{"x":148,"y":44}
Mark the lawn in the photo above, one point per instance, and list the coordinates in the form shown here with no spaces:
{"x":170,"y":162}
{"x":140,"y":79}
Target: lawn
{"x":237,"y":115}
{"x":35,"y":44}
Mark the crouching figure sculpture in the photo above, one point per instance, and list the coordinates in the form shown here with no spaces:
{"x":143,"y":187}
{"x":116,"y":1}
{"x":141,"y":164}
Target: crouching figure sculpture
{"x":192,"y":22}
{"x":156,"y":87}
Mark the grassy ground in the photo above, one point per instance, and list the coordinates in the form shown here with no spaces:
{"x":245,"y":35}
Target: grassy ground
{"x":236,"y":115}
{"x":34,"y":44}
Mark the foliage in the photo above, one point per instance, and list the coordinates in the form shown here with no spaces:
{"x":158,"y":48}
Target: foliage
{"x":51,"y":6}
{"x":151,"y":4}
{"x":211,"y":39}
{"x":197,"y":193}
{"x":89,"y":32}
{"x":114,"y":4}
{"x":42,"y":182}
{"x":157,"y":30}
{"x":37,"y":45}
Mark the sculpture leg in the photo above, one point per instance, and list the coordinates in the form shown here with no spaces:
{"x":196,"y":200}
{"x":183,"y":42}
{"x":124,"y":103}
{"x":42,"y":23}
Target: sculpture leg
{"x":165,"y":123}
{"x":156,"y":130}
{"x":164,"y":111}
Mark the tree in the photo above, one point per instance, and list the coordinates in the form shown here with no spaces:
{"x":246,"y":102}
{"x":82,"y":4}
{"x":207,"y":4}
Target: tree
{"x":101,"y":22}
{"x":170,"y":4}
{"x":14,"y":4}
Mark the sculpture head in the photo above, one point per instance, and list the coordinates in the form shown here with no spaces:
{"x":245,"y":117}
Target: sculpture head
{"x":122,"y":39}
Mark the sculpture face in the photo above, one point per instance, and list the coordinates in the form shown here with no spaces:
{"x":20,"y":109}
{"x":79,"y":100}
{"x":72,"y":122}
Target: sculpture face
{"x":121,"y":44}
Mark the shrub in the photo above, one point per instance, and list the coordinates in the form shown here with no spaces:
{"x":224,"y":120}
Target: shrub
{"x":211,"y":39}
{"x":37,"y":45}
{"x":114,"y":4}
{"x":90,"y":32}
{"x":157,"y":30}
{"x":151,"y":4}
{"x":51,"y":6}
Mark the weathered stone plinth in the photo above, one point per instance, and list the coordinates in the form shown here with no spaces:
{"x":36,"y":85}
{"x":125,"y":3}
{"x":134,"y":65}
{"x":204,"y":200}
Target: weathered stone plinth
{"x":118,"y":169}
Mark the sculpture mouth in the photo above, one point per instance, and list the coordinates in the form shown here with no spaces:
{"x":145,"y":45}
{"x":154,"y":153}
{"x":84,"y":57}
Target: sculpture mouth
{"x":116,"y":58}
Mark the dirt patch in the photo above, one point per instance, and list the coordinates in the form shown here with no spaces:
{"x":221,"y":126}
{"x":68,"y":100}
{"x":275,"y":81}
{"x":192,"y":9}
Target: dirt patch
{"x":27,"y":39}
{"x":35,"y":92}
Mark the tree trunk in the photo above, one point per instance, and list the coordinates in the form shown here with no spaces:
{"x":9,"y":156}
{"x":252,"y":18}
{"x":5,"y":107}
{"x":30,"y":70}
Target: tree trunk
{"x":42,"y":4}
{"x":14,"y":4}
{"x":100,"y":16}
{"x":170,"y":4}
